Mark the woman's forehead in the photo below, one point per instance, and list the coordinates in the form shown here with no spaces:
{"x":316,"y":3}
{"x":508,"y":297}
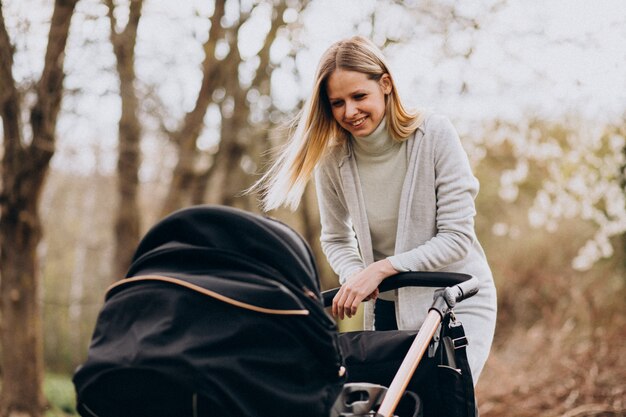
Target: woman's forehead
{"x":345,"y":82}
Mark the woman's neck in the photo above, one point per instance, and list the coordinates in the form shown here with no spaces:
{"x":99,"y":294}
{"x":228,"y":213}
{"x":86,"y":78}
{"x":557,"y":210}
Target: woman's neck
{"x":375,"y":143}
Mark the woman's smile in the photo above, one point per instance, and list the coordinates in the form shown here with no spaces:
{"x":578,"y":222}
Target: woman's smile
{"x":358,"y":122}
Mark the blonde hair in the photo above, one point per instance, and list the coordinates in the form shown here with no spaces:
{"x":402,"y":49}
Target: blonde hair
{"x":316,"y":131}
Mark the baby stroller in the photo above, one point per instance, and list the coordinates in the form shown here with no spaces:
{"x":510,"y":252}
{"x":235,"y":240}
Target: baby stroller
{"x":221,"y":314}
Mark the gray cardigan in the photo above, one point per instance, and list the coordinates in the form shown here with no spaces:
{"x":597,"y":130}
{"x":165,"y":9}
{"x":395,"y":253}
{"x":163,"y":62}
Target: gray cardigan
{"x":435,"y":229}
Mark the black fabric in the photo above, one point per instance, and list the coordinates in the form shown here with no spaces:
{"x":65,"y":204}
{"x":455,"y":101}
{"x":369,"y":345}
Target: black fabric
{"x":410,"y":405}
{"x":385,"y":315}
{"x":456,"y":386}
{"x":242,"y":363}
{"x":443,"y":381}
{"x":142,"y":393}
{"x":376,"y":356}
{"x":151,"y":336}
{"x":448,"y":390}
{"x":233,"y":252}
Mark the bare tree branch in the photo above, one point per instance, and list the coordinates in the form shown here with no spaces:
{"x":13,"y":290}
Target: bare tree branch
{"x":215,"y":75}
{"x":44,"y":114}
{"x":193,"y":120}
{"x":9,"y":103}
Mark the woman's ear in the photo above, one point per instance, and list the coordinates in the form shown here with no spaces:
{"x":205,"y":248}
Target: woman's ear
{"x":385,"y":83}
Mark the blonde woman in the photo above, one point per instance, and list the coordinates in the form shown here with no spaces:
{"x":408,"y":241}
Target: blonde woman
{"x":395,"y":191}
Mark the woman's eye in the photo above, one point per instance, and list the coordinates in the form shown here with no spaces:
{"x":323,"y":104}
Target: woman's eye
{"x":336,"y":103}
{"x":359,"y":97}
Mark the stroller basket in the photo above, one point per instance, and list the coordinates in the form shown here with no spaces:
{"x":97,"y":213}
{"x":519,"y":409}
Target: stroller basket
{"x":221,"y":314}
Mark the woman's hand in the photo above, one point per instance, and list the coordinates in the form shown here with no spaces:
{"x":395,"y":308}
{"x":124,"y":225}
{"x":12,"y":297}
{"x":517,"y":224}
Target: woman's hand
{"x":359,"y":287}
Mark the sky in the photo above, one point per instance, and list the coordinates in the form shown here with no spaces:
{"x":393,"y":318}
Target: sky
{"x":529,"y":58}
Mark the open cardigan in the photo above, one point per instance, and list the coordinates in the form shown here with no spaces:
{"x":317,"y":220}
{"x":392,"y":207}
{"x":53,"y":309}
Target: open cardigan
{"x":435,"y":229}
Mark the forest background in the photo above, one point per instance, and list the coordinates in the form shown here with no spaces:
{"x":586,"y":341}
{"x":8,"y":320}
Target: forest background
{"x":115,"y":113}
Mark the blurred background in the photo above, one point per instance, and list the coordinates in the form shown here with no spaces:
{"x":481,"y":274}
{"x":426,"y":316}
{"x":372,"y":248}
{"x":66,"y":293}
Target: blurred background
{"x":117,"y":112}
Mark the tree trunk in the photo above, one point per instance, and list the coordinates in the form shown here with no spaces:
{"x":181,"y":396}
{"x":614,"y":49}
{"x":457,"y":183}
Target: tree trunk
{"x":128,"y":219}
{"x":226,"y":173}
{"x":24,"y":168}
{"x":22,"y":346}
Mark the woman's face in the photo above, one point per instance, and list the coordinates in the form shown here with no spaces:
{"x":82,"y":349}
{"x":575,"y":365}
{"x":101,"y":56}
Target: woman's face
{"x":357,"y":102}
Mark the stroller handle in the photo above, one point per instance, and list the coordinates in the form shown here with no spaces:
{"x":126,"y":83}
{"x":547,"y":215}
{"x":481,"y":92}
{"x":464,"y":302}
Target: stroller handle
{"x":462,"y":285}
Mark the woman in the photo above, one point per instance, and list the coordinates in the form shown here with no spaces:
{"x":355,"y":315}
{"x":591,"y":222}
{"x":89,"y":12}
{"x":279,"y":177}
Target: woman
{"x":395,"y":191}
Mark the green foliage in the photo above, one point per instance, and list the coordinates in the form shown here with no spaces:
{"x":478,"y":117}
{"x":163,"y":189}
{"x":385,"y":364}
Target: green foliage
{"x":59,"y":392}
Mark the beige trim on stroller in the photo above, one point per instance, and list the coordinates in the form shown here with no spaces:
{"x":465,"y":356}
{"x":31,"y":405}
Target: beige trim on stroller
{"x":210,"y":293}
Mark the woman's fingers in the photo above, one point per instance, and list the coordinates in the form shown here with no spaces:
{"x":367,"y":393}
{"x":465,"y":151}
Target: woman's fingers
{"x":344,"y":305}
{"x":346,"y":302}
{"x":336,"y":300}
{"x":339,"y":303}
{"x":361,"y":286}
{"x":351,"y":305}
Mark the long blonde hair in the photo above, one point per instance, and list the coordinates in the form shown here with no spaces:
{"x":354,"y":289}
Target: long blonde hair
{"x":316,"y":131}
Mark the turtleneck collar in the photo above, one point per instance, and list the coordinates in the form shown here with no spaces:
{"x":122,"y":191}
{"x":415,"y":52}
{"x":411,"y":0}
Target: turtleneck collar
{"x":376,"y":143}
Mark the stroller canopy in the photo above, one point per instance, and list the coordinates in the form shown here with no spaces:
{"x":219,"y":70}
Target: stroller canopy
{"x":250,"y":259}
{"x":225,"y":303}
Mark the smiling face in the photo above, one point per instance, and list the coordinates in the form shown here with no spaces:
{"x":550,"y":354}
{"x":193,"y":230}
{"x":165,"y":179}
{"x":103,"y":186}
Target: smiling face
{"x":356,"y":101}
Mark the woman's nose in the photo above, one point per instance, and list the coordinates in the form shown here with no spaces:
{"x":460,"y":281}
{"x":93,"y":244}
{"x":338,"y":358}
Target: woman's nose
{"x":351,"y":109}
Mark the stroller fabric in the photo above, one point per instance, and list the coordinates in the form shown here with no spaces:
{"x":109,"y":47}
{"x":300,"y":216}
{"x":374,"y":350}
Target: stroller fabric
{"x":220,"y":315}
{"x":442,"y":380}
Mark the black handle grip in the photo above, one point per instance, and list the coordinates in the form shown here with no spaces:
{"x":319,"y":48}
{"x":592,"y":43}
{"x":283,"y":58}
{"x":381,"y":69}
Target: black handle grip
{"x":415,"y":279}
{"x":452,"y":295}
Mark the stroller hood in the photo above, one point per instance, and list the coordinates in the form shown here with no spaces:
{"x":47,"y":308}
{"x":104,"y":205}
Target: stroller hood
{"x":225,"y":304}
{"x":240,"y":256}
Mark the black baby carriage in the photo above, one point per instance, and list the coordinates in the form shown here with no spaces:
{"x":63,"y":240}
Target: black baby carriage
{"x":221,"y":315}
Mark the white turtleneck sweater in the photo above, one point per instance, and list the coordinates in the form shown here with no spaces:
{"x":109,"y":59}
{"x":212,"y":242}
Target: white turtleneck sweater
{"x":382,"y":166}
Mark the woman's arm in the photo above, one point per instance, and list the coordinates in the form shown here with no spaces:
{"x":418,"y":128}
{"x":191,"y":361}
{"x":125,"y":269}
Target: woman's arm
{"x":338,"y":239}
{"x":455,"y":189}
{"x":361,"y":286}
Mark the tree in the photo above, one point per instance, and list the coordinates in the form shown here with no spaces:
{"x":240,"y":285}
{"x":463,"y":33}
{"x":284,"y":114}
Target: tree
{"x":186,"y":136}
{"x":127,"y":224}
{"x":585,"y":180}
{"x":239,"y":138}
{"x":25,"y":163}
{"x":577,"y":168}
{"x":190,"y":179}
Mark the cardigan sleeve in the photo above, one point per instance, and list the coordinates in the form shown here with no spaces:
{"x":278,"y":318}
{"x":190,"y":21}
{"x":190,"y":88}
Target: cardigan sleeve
{"x":338,"y":239}
{"x":455,"y":191}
